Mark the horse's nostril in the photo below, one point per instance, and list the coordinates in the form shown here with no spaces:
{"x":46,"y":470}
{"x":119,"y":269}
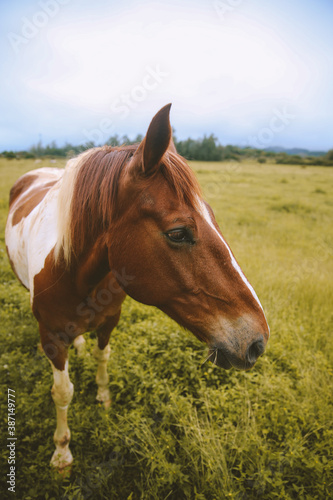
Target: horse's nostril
{"x":255,"y":350}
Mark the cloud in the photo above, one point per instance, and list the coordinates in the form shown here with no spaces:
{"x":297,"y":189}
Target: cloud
{"x":232,"y":70}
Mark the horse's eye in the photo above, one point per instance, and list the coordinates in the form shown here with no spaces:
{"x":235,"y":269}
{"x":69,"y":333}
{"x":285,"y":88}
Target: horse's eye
{"x":180,"y":235}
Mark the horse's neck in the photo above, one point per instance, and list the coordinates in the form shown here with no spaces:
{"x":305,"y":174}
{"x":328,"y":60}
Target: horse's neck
{"x":93,"y":267}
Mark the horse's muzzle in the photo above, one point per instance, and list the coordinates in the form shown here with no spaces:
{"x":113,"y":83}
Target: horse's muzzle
{"x":223,"y":357}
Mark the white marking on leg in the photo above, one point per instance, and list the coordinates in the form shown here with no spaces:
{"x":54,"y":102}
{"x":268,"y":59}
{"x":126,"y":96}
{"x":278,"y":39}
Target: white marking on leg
{"x":80,"y":345}
{"x":62,"y":393}
{"x":102,"y":376}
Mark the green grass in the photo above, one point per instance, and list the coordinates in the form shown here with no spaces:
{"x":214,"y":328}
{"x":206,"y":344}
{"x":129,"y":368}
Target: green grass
{"x":177,"y":429}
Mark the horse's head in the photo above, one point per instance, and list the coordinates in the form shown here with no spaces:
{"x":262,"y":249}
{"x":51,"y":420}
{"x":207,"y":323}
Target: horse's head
{"x":166,"y":236}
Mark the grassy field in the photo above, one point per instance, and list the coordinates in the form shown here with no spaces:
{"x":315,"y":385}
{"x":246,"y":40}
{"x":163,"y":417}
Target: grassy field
{"x":178,"y":429}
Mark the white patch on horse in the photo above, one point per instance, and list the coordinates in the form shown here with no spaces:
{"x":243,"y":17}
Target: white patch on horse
{"x":16,"y":241}
{"x":43,"y":233}
{"x":31,"y":240}
{"x":205,"y":214}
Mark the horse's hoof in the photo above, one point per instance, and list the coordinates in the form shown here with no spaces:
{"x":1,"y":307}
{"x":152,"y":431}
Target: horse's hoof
{"x":107,"y":404}
{"x":103,"y":396}
{"x":62,"y":461}
{"x":65,"y":472}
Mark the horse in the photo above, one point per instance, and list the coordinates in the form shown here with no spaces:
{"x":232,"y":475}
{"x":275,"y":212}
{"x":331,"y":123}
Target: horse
{"x":118,"y":221}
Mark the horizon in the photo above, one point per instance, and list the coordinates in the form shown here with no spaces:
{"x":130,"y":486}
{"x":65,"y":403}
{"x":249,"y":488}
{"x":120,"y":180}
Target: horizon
{"x":274,"y":148}
{"x":250,"y":73}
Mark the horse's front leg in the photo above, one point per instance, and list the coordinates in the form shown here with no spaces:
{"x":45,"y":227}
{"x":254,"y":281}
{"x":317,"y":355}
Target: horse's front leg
{"x":102,"y":353}
{"x":62,"y":393}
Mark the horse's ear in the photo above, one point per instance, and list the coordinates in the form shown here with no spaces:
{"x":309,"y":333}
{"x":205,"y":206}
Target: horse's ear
{"x":157,"y":140}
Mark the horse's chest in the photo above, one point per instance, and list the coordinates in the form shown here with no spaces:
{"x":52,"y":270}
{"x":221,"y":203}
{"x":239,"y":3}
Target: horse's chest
{"x":62,"y":307}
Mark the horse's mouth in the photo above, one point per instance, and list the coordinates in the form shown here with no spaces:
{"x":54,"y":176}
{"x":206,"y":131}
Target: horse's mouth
{"x":224,"y":358}
{"x":219,"y":358}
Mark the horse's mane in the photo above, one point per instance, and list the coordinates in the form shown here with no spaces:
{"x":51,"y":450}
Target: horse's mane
{"x":88,"y":194}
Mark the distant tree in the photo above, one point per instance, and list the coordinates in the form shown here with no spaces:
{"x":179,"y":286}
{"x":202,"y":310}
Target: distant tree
{"x":113,"y":140}
{"x":125,"y":140}
{"x":26,"y":155}
{"x":138,"y":139}
{"x":230,"y":152}
{"x":70,"y":154}
{"x":208,"y":150}
{"x":188,"y":149}
{"x":329,"y":155}
{"x":285,"y":159}
{"x":10,"y":155}
{"x":38,"y":148}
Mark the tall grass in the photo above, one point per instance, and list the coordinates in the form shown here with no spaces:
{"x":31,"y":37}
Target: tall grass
{"x":177,"y":428}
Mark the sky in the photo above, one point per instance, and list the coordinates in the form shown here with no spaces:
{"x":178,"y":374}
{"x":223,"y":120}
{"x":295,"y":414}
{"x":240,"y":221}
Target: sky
{"x":252,"y":72}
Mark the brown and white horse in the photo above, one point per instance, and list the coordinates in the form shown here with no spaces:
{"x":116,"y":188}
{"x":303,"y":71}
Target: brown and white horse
{"x":128,"y":220}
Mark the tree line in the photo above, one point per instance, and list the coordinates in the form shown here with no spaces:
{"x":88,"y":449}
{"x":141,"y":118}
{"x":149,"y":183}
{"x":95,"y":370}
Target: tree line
{"x":207,"y":148}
